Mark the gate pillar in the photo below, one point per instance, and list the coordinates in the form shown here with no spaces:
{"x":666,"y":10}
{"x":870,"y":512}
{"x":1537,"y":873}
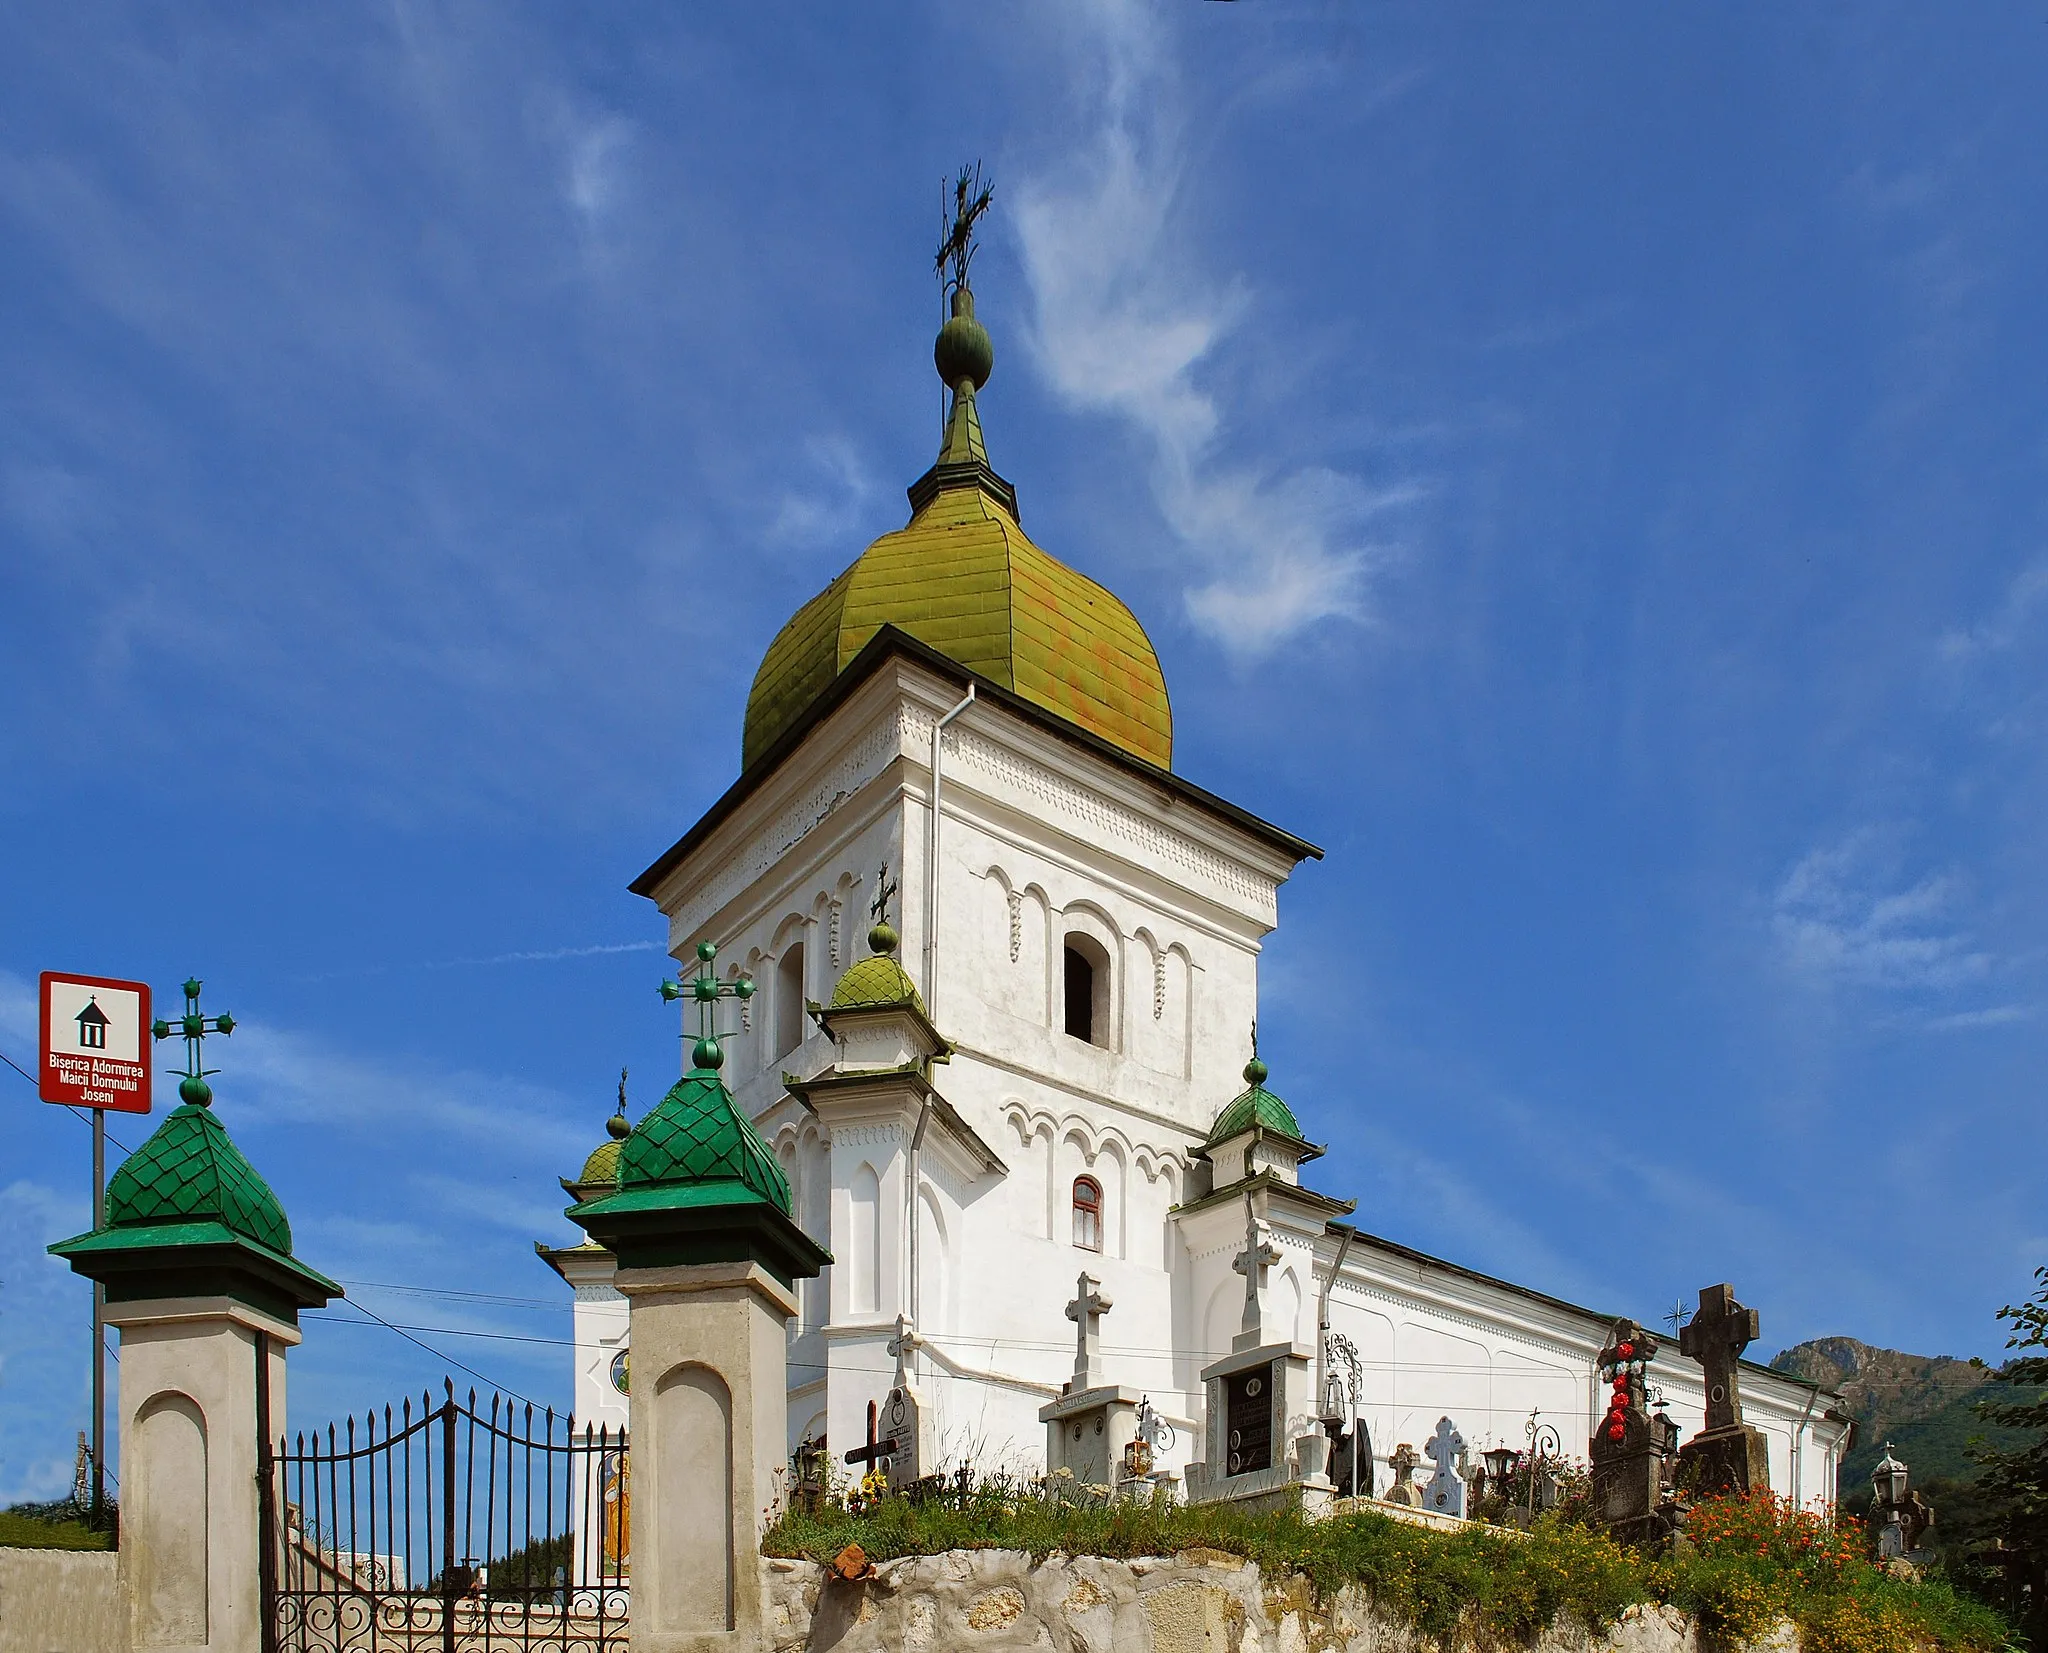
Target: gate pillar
{"x":708,"y":1261}
{"x":196,"y":1256}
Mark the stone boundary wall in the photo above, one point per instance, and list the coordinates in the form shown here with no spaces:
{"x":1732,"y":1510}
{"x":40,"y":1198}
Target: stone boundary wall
{"x":61,"y":1601}
{"x":1201,"y":1601}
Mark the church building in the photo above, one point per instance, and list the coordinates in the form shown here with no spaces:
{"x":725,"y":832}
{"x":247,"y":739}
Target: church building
{"x":1004,"y":967}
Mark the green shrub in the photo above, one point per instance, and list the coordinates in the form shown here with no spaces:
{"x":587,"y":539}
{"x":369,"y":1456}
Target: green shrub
{"x":49,"y":1527}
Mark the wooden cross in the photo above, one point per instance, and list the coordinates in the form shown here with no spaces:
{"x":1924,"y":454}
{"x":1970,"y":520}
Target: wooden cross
{"x":1715,"y":1336}
{"x":875,"y":1451}
{"x":1086,"y":1312}
{"x":879,"y":910}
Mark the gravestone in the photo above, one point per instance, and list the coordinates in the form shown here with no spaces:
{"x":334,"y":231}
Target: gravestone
{"x":1090,"y":1426}
{"x":1630,"y":1450}
{"x":1728,"y":1456}
{"x":1404,"y":1490}
{"x":1445,"y":1492}
{"x":904,"y":1418}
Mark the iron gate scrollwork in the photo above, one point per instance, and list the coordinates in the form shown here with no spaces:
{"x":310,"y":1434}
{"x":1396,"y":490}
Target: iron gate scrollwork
{"x":453,"y":1528}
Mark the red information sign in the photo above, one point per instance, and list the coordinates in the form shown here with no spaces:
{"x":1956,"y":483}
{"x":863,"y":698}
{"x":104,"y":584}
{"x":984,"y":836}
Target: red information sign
{"x":95,"y":1042}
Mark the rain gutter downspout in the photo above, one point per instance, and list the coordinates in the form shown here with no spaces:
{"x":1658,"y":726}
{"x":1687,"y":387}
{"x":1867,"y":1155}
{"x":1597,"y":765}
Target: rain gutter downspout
{"x":931,"y":866}
{"x":916,"y":1181}
{"x":1323,"y":1306}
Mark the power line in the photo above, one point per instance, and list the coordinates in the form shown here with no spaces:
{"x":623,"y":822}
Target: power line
{"x":79,"y":1114}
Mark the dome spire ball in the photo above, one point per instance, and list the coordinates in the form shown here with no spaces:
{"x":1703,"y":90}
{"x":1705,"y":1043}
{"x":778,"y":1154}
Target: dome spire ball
{"x":619,"y":1127}
{"x":882,"y":939}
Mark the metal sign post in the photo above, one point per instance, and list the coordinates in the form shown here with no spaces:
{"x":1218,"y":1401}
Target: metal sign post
{"x":94,"y":1036}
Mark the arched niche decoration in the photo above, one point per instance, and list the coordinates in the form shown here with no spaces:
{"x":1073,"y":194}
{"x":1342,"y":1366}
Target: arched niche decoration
{"x":168,"y":1536}
{"x":694,"y":1435}
{"x":864,"y":1240}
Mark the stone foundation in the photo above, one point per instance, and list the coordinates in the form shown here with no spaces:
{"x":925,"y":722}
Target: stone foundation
{"x":1201,"y":1601}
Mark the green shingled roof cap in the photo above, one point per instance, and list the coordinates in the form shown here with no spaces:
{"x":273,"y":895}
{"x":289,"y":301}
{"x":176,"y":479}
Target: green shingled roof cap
{"x":189,"y":1170}
{"x":1256,"y":1106}
{"x":878,"y":982}
{"x":696,"y":1136}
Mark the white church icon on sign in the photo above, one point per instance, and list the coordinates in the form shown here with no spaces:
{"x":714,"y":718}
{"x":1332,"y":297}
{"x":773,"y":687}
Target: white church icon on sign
{"x":92,"y":1026}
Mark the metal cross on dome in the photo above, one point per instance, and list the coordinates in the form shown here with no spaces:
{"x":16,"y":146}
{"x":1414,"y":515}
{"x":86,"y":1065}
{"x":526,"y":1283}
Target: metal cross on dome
{"x":971,"y":198}
{"x":885,"y":892}
{"x":705,"y":989}
{"x":193,"y":1027}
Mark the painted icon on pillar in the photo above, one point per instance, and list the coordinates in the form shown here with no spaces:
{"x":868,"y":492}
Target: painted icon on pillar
{"x":619,"y":1375}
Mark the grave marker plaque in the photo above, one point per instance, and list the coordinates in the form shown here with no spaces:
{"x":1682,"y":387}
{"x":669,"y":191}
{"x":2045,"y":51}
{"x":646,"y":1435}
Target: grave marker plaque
{"x":1248,"y":1416}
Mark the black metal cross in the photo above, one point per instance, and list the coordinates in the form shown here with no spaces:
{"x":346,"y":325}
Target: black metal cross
{"x":875,"y":1450}
{"x":971,"y":198}
{"x":884,"y":891}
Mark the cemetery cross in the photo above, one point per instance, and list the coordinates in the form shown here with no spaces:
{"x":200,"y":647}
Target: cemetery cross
{"x":1259,"y":1254}
{"x":1086,"y":1311}
{"x":873,"y":1453}
{"x":1715,"y":1336}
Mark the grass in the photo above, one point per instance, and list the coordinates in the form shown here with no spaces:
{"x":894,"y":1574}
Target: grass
{"x":1751,"y":1567}
{"x":49,"y":1527}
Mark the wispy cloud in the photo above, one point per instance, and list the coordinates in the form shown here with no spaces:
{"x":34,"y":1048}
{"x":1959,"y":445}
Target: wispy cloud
{"x":2010,"y":622}
{"x":1849,"y":916}
{"x":830,"y":503}
{"x":542,"y":955}
{"x":1124,"y":320}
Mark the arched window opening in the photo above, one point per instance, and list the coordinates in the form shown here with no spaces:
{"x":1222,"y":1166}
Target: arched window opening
{"x":1087,"y":990}
{"x":1087,"y":1213}
{"x":789,"y":999}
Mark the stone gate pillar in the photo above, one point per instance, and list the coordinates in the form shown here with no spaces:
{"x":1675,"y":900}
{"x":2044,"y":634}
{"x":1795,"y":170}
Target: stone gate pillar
{"x":708,"y":1261}
{"x":196,"y":1256}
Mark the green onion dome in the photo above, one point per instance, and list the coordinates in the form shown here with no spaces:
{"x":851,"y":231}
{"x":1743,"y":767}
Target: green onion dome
{"x":696,"y":1138}
{"x":878,"y":982}
{"x":190,"y":1171}
{"x":1255,"y":1106}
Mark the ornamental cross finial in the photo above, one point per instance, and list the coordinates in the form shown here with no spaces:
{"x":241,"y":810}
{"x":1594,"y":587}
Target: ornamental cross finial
{"x":971,"y":198}
{"x":706,"y":990}
{"x":1090,"y":1304}
{"x":1259,"y":1254}
{"x":194,"y":1027}
{"x":885,"y":892}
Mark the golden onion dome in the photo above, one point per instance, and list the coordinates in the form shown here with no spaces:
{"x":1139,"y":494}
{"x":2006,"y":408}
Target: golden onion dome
{"x":962,"y":577}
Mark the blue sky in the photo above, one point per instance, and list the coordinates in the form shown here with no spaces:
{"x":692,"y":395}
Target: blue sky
{"x":1585,"y":471}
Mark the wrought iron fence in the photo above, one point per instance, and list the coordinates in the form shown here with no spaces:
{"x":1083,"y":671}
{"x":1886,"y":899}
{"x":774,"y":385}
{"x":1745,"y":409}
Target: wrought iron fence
{"x":457,"y":1527}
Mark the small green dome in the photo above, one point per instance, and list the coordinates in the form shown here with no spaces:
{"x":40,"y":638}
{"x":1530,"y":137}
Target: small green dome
{"x":601,"y":1169}
{"x":189,"y":1171}
{"x":695,"y":1135}
{"x":1255,"y":1106}
{"x":878,"y":982}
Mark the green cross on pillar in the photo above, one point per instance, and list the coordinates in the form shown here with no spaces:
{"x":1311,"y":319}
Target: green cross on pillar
{"x":193,"y":1028}
{"x":706,"y":990}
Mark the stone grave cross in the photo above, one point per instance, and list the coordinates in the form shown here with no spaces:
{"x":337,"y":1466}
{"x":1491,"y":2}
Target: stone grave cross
{"x":1086,"y":1312}
{"x":1715,"y":1336}
{"x":1446,"y":1490}
{"x":900,"y":1347}
{"x":1259,"y":1254}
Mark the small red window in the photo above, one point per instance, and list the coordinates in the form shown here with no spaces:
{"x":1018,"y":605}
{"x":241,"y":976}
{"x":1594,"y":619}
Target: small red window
{"x":1088,"y":1213}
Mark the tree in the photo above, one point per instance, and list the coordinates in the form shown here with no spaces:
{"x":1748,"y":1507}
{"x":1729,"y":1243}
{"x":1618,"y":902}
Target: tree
{"x":2015,"y":1480}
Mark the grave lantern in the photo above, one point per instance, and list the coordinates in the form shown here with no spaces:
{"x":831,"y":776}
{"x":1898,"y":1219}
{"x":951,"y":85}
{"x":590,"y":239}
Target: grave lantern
{"x":1500,"y":1465}
{"x":1888,"y":1480}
